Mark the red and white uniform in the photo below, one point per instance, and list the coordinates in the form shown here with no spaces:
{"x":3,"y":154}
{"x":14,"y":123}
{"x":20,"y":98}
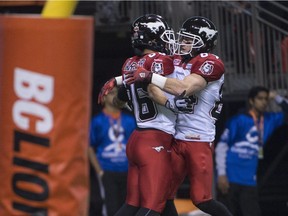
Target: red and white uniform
{"x":200,"y":124}
{"x":149,"y":147}
{"x":149,"y":114}
{"x":192,"y":153}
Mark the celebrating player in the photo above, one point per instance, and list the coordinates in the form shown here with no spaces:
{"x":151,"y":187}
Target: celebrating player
{"x":201,"y":75}
{"x":149,"y":147}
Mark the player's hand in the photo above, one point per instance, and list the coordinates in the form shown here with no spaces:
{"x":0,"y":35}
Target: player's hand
{"x":106,"y":89}
{"x":223,"y":184}
{"x":180,"y":104}
{"x":140,"y":75}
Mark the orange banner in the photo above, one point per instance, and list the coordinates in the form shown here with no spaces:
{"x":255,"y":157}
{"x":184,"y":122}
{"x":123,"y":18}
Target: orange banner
{"x":45,"y":89}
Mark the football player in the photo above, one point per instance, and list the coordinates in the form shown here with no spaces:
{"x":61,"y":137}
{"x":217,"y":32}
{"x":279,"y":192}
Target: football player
{"x":149,"y":147}
{"x":201,"y":75}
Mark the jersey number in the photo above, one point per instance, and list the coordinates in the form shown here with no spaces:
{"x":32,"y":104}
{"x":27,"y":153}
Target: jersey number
{"x":216,"y":111}
{"x":147,"y":108}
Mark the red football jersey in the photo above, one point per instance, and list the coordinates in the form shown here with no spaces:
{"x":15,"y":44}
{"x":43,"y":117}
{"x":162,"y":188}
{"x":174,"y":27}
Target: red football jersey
{"x":156,"y":62}
{"x":200,"y":123}
{"x":149,"y":114}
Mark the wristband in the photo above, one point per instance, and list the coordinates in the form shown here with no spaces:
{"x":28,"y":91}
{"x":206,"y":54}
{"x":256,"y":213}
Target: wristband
{"x":158,"y":80}
{"x":119,"y":80}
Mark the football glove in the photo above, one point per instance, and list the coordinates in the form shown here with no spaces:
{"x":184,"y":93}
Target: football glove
{"x":180,"y":104}
{"x":107,"y":87}
{"x":140,"y":75}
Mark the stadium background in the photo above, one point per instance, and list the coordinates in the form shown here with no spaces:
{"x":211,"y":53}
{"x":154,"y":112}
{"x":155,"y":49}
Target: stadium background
{"x":112,"y":47}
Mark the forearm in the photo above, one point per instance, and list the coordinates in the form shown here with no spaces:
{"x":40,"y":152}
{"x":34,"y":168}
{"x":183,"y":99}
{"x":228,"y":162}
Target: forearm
{"x":191,"y":84}
{"x":157,"y":95}
{"x":170,"y":85}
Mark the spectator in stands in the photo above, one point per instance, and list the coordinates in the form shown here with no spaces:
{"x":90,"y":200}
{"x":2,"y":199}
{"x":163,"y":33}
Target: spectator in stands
{"x":241,"y":146}
{"x":109,"y":132}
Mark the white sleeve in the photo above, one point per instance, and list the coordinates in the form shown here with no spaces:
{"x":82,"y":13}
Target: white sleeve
{"x":220,"y":154}
{"x":119,"y":80}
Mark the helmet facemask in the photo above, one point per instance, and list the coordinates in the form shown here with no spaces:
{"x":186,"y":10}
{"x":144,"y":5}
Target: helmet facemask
{"x":188,"y":44}
{"x":168,"y":37}
{"x":197,"y":35}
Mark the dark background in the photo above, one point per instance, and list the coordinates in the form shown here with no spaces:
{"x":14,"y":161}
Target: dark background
{"x":112,"y":48}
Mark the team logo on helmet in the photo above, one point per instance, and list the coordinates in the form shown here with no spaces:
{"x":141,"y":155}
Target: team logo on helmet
{"x":210,"y":33}
{"x":135,"y":31}
{"x":136,"y":28}
{"x":154,"y":26}
{"x":207,"y":67}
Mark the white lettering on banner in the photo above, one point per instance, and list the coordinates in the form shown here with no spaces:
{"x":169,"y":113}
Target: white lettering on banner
{"x":43,"y":125}
{"x":34,"y":91}
{"x":29,"y":85}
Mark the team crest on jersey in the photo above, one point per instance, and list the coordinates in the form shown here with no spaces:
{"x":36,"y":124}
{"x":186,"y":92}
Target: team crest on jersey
{"x":141,"y":62}
{"x":176,"y":62}
{"x":189,"y":66}
{"x":157,"y":67}
{"x":130,"y":66}
{"x":207,"y":67}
